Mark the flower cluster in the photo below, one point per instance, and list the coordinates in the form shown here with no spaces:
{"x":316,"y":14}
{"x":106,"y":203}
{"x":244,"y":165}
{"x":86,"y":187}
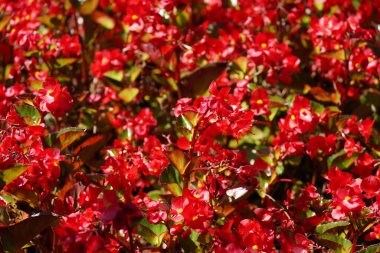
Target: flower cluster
{"x":189,"y":126}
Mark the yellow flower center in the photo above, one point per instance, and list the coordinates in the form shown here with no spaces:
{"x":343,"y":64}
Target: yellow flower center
{"x":104,"y":60}
{"x":255,"y":247}
{"x":293,"y":117}
{"x":348,"y":198}
{"x":260,"y":102}
{"x":134,"y":17}
{"x":180,"y":210}
{"x":264,"y":45}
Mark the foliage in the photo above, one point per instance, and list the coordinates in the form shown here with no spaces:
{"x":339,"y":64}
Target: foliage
{"x":189,"y":126}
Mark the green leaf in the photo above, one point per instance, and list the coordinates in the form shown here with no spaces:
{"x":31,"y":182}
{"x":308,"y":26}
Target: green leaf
{"x":67,"y":136}
{"x":170,"y":178}
{"x":155,"y":194}
{"x":4,"y":21}
{"x":88,"y":7}
{"x":191,"y":243}
{"x":184,"y":122}
{"x":178,"y":159}
{"x":152,"y":233}
{"x":103,"y":19}
{"x":128,"y":94}
{"x":370,"y":249}
{"x":116,"y":75}
{"x":62,"y":62}
{"x":325,"y":227}
{"x":356,"y":4}
{"x":182,"y":18}
{"x":242,"y":63}
{"x":8,"y":175}
{"x":198,"y":82}
{"x":338,"y":55}
{"x":319,"y":5}
{"x":340,"y":160}
{"x":14,"y":237}
{"x":133,"y":73}
{"x":192,"y":117}
{"x":51,"y":21}
{"x":29,"y":114}
{"x":36,"y":84}
{"x":336,"y":243}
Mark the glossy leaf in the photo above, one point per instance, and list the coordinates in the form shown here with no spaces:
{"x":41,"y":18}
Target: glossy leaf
{"x":152,"y":233}
{"x":339,"y":159}
{"x":116,"y":75}
{"x":14,"y":237}
{"x":103,"y":19}
{"x":10,"y":174}
{"x":242,"y":63}
{"x":88,"y":149}
{"x":179,"y":160}
{"x":338,"y":55}
{"x":337,"y":243}
{"x":191,"y":243}
{"x":370,"y":249}
{"x":133,"y":73}
{"x":128,"y":94}
{"x":4,"y":21}
{"x":198,"y":82}
{"x":29,"y":114}
{"x":65,"y":137}
{"x":171,"y":179}
{"x":88,"y":7}
{"x":62,"y":62}
{"x":184,"y":122}
{"x":331,"y":225}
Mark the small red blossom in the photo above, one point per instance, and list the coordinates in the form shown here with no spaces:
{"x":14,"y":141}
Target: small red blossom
{"x":52,"y":98}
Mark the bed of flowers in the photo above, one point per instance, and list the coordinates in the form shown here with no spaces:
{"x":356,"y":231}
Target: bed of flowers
{"x":221,"y":126}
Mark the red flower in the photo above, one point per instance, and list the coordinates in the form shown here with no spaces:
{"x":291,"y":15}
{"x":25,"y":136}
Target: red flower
{"x":300,"y":118}
{"x":370,"y":185}
{"x":364,"y":165}
{"x":192,"y":209}
{"x":320,"y":144}
{"x":351,"y":147}
{"x":142,"y":123}
{"x":256,"y":237}
{"x":347,"y":199}
{"x":52,"y":98}
{"x":365,"y":128}
{"x":259,"y":102}
{"x":107,"y":60}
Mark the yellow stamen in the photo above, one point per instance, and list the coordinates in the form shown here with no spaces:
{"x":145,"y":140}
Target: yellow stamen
{"x":104,"y":60}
